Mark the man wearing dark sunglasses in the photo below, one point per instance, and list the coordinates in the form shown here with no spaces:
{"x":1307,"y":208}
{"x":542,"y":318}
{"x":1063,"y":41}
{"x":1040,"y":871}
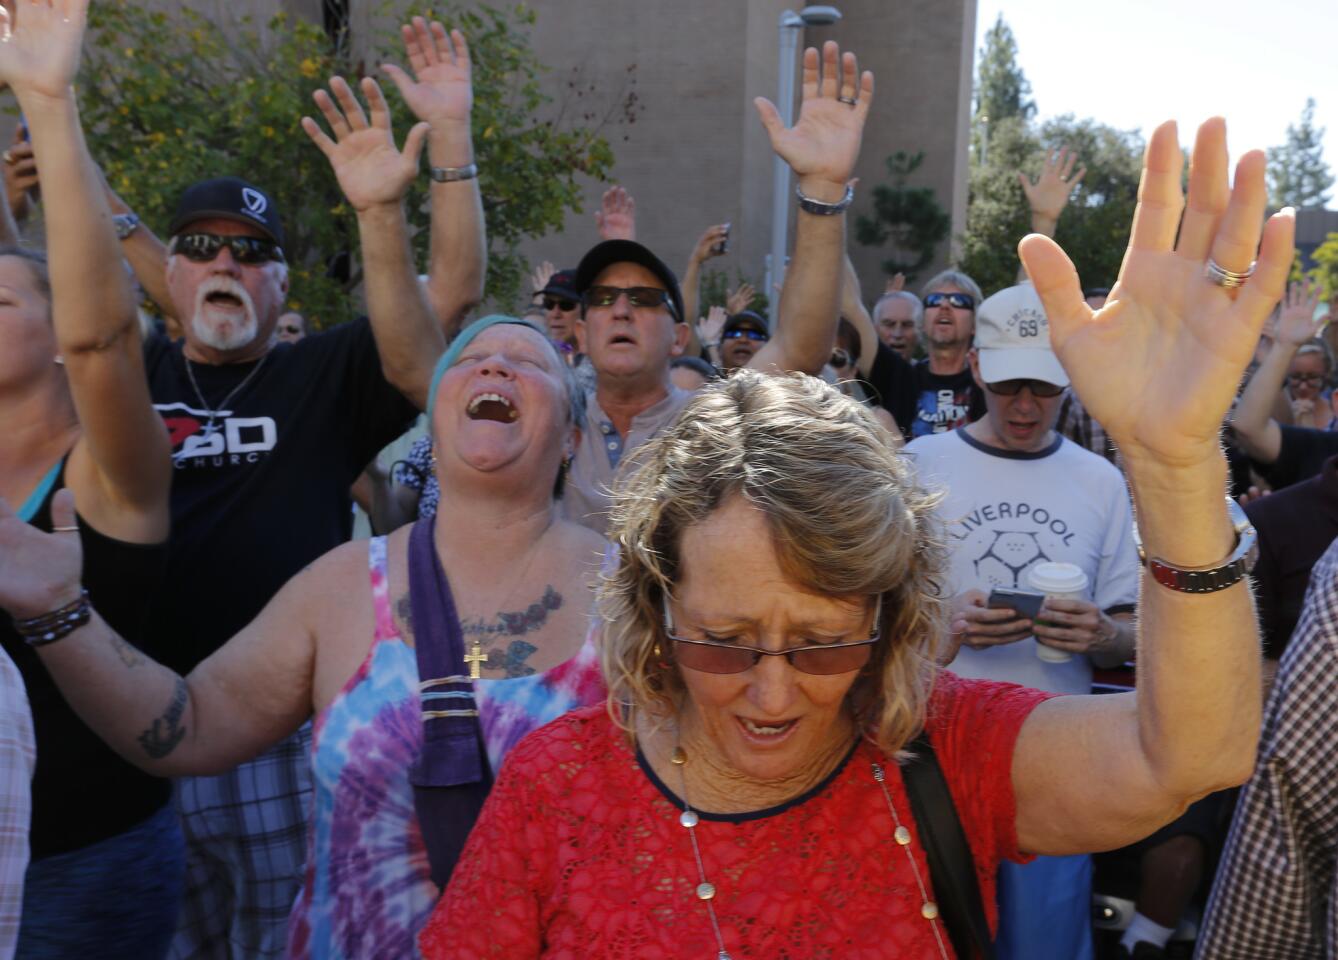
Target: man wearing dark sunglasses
{"x":562,"y":306}
{"x":1017,"y":494}
{"x":938,"y":393}
{"x":742,"y":336}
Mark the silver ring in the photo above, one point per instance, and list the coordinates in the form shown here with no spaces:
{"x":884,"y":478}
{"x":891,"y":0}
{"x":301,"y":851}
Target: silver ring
{"x":1223,"y":277}
{"x":849,"y":100}
{"x":74,"y":529}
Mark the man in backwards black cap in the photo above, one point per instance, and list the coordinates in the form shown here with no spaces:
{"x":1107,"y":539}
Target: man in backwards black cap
{"x":267,"y":439}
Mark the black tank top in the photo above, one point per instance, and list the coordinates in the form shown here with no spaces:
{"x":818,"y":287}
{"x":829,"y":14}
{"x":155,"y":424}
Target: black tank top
{"x":82,"y":791}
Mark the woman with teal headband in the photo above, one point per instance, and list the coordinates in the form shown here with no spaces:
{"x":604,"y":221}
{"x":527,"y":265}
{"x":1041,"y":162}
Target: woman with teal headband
{"x":75,"y":415}
{"x":424,"y":656}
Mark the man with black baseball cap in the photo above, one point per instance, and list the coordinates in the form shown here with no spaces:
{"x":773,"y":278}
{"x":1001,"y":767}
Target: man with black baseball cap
{"x":742,"y":336}
{"x":267,"y":438}
{"x":561,"y":305}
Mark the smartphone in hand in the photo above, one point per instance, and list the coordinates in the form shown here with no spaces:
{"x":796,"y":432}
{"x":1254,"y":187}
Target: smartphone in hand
{"x":1027,"y":605}
{"x":723,"y":245}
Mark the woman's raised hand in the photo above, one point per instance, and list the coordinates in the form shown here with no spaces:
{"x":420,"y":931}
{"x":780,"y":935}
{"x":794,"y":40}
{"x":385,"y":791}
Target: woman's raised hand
{"x":39,"y":44}
{"x":1159,"y":364}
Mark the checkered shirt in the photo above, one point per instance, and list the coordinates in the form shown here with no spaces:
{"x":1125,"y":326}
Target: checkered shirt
{"x":17,"y":756}
{"x":1275,"y":894}
{"x":1077,"y":424}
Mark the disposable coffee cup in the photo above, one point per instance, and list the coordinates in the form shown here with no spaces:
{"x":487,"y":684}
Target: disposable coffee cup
{"x":1061,"y":581}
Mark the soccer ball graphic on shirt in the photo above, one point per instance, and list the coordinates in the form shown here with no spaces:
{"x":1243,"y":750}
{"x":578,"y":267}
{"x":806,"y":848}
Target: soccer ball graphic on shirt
{"x":1007,"y":558}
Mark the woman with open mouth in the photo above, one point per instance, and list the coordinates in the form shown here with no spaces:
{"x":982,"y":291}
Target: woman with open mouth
{"x":424,"y":656}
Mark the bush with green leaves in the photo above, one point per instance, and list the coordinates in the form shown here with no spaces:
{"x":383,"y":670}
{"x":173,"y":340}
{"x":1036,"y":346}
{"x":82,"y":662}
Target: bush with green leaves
{"x":910,"y":218}
{"x":171,"y":99}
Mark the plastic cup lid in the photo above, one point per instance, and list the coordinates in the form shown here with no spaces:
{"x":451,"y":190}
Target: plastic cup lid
{"x":1053,"y":577}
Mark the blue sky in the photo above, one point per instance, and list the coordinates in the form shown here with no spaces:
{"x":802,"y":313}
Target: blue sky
{"x":1135,"y":63}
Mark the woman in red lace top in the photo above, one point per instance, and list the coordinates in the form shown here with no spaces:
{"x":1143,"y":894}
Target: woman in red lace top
{"x":774,"y":622}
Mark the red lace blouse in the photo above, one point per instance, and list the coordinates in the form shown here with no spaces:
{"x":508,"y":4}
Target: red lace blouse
{"x":579,"y":852}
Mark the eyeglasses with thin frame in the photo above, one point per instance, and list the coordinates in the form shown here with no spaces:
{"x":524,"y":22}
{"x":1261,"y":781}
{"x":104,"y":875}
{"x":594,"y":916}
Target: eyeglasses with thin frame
{"x":1038,"y":388}
{"x":744,"y":333}
{"x":1305,"y":378}
{"x":819,"y":659}
{"x":962,"y":301}
{"x":603,"y":296}
{"x":204,"y":247}
{"x":562,"y":303}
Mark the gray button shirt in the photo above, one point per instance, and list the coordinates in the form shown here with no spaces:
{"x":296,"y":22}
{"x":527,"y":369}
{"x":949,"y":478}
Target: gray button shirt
{"x":602,"y":450}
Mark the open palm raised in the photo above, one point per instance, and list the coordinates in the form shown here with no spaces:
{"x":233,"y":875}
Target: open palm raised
{"x":369,"y":168}
{"x":824,"y":142}
{"x":41,"y":40}
{"x":1159,"y":364}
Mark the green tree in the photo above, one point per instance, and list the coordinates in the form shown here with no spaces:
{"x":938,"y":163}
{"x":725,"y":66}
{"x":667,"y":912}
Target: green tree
{"x":1002,"y":89}
{"x":1094,"y":227}
{"x":1325,"y":270}
{"x":1297,"y":174}
{"x":168,"y":100}
{"x":910,"y":217}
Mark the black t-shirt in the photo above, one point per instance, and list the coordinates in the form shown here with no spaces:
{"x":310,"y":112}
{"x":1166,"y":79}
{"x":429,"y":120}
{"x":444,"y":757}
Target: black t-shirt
{"x":1301,"y":456}
{"x":265,"y":490}
{"x":922,"y":402}
{"x":1295,"y":527}
{"x":83,"y":792}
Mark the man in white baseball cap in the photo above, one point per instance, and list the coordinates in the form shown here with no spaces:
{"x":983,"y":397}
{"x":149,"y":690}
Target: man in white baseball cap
{"x":1017,"y":494}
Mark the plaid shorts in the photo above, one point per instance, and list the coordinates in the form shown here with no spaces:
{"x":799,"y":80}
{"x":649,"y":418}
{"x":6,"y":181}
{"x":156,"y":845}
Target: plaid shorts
{"x":246,"y":835}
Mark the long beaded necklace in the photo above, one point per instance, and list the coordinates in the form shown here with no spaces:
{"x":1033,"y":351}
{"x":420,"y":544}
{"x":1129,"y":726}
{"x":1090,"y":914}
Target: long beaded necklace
{"x":705,"y":890}
{"x":210,"y":427}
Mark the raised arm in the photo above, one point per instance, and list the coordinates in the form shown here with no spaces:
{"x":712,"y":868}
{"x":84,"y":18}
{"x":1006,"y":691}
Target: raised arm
{"x":1257,"y":431}
{"x":1158,"y":367}
{"x":251,"y":693}
{"x":710,"y":244}
{"x":375,"y":177}
{"x":616,"y":216}
{"x":146,"y":254}
{"x":123,"y":456}
{"x":1049,"y":195}
{"x":852,"y":308}
{"x":821,"y":149}
{"x":441,"y":94}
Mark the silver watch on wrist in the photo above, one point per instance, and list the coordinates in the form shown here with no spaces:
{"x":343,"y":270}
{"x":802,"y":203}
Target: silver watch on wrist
{"x":1207,"y":579}
{"x":125,"y":224}
{"x":453,"y":174}
{"x":821,"y":207}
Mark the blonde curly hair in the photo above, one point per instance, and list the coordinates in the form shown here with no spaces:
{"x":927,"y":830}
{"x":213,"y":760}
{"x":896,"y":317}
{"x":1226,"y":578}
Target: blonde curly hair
{"x":848,"y":519}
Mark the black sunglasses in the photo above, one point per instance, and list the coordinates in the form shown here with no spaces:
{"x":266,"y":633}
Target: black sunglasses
{"x":636,"y":296}
{"x":819,"y":659}
{"x":203,"y":247}
{"x":962,"y":301}
{"x":1011,"y":388}
{"x":562,"y":303}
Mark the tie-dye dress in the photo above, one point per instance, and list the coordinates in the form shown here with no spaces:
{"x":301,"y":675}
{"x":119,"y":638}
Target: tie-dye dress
{"x":368,"y":887}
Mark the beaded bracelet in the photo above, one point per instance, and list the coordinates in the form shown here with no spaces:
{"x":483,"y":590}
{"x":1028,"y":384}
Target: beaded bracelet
{"x":53,"y":626}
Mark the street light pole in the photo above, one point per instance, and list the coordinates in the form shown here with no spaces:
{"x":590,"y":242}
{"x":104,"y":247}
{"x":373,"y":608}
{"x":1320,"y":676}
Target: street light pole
{"x":789,"y":27}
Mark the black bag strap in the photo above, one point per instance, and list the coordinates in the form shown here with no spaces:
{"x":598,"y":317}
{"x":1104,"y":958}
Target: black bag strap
{"x":951,"y":867}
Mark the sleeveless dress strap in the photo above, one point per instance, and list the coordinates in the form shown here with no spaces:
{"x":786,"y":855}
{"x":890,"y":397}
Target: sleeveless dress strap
{"x":376,"y":573}
{"x":29,"y":507}
{"x":451,"y":777}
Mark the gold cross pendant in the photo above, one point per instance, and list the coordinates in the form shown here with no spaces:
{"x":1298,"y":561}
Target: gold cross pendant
{"x":474,"y":658}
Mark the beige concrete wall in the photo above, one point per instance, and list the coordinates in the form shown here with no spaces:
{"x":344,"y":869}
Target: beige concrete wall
{"x":697,"y":155}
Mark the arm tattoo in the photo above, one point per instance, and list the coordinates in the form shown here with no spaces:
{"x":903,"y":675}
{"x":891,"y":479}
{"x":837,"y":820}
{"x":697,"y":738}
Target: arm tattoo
{"x":129,"y":655}
{"x":163,"y":735}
